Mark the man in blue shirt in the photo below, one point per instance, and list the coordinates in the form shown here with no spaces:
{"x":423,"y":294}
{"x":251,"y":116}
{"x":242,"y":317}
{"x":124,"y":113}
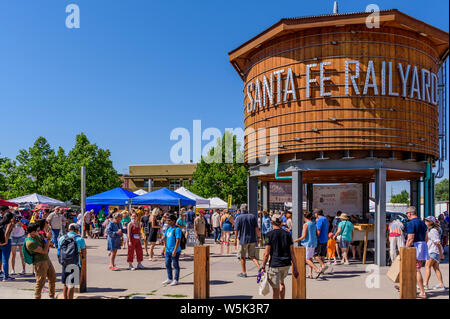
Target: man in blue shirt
{"x":70,"y":283}
{"x":417,"y":237}
{"x":172,"y":250}
{"x":266,"y":226}
{"x":190,"y":217}
{"x":322,"y":236}
{"x":246,"y":229}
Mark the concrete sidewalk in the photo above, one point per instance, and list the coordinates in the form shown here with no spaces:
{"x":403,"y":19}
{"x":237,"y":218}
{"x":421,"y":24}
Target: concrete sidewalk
{"x":346,"y":282}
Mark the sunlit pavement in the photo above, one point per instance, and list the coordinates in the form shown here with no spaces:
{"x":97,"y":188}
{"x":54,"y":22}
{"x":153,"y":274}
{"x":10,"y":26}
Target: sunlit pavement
{"x":354,"y":281}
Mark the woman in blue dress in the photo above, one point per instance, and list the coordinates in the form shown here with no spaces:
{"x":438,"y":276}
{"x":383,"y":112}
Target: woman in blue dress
{"x":114,"y":233}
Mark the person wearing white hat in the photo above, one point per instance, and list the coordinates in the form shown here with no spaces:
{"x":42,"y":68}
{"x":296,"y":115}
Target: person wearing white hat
{"x":435,"y":252}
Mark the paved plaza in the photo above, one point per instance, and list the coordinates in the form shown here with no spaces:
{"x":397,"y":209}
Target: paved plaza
{"x":346,"y":282}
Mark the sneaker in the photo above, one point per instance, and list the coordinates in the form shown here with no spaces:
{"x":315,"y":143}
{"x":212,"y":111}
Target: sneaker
{"x":168,"y":281}
{"x":22,"y":273}
{"x":335,"y":262}
{"x":131,"y":268}
{"x":425,"y":287}
{"x":114,"y":268}
{"x":328,"y":262}
{"x":140,"y":266}
{"x":8,"y":278}
{"x":346,"y":263}
{"x":242,"y":275}
{"x":439,"y":288}
{"x":174,"y":283}
{"x":13,"y":273}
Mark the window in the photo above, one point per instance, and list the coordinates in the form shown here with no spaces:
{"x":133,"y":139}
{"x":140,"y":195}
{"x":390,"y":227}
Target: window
{"x":174,"y":184}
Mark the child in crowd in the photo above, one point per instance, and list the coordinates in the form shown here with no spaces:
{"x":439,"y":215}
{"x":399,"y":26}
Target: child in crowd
{"x":331,"y":249}
{"x":96,"y":228}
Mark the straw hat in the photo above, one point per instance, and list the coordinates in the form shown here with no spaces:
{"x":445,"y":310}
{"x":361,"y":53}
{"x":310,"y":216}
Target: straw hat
{"x":343,"y":216}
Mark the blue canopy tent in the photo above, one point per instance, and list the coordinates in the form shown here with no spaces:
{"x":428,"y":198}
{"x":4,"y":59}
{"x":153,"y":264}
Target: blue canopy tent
{"x":163,"y":196}
{"x":116,"y":196}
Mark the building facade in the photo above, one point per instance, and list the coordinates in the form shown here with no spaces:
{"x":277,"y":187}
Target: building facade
{"x":155,"y":176}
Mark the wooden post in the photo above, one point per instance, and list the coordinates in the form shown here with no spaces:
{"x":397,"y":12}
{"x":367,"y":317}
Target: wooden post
{"x":408,"y":274}
{"x":83,"y":274}
{"x":201,"y":272}
{"x":299,"y":283}
{"x":366,"y":238}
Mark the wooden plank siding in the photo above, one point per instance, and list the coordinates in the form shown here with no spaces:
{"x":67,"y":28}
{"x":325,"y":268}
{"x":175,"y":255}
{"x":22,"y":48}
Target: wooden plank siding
{"x":372,"y":122}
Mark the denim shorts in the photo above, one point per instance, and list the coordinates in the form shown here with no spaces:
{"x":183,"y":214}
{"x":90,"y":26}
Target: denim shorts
{"x":436,"y":257}
{"x":17,"y":241}
{"x":344,"y":243}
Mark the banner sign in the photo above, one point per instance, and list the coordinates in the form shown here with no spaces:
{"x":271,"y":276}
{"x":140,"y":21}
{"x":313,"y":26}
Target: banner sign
{"x":416,"y":83}
{"x":346,"y":198}
{"x":191,"y":238}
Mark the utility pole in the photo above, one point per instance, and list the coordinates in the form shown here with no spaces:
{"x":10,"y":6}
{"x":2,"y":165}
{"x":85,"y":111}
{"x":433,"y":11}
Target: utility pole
{"x":83,"y":199}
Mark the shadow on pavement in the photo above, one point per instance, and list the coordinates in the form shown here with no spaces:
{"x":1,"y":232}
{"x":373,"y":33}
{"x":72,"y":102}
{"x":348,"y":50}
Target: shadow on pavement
{"x":98,"y":289}
{"x":219,"y":282}
{"x":233,"y":297}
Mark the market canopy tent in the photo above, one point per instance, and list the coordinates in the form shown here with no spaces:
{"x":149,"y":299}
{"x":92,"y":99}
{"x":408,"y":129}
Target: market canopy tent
{"x":215,"y":203}
{"x":116,"y":196}
{"x":163,"y":196}
{"x":198,"y":199}
{"x":6,"y":203}
{"x":35,"y":199}
{"x":140,"y":192}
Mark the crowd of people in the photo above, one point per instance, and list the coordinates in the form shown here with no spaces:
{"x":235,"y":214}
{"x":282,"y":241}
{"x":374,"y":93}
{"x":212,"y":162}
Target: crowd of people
{"x":327,"y":240}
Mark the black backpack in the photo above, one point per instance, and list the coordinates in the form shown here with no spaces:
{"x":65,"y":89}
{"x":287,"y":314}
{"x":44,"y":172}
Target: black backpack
{"x":68,"y":252}
{"x":2,"y":234}
{"x":182,"y":240}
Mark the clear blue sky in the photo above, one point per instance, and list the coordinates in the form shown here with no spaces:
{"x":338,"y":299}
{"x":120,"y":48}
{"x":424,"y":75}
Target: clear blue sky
{"x":137,"y":69}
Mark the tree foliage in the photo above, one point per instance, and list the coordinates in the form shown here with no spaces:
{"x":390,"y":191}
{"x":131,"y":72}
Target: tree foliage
{"x":402,"y":198}
{"x":222,"y":172}
{"x":56,"y":174}
{"x":441,"y":190}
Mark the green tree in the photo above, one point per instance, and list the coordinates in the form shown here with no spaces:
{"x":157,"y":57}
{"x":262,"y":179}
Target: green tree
{"x":100,"y":173}
{"x":222,"y":172}
{"x":402,"y":198}
{"x":56,"y":174}
{"x":441,"y":190}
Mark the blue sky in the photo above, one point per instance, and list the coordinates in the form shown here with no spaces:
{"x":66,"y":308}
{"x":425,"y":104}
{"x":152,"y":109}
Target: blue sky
{"x":137,"y":69}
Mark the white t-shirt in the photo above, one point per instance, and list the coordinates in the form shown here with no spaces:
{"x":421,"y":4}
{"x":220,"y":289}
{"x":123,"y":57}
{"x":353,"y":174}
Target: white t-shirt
{"x":433,"y":238}
{"x":216,"y":220}
{"x":18,"y":231}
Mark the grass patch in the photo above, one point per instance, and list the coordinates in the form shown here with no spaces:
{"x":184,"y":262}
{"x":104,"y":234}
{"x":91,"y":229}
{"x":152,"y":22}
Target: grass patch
{"x":175,"y":296}
{"x":151,"y":293}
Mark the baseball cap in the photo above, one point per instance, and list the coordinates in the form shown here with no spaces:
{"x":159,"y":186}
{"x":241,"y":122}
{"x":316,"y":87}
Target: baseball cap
{"x":431,"y":219}
{"x":276,"y":219}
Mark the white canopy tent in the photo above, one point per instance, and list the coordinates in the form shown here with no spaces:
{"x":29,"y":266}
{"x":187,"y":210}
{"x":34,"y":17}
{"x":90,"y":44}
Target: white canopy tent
{"x":200,"y":201}
{"x":35,"y":199}
{"x":216,"y":202}
{"x":140,"y":192}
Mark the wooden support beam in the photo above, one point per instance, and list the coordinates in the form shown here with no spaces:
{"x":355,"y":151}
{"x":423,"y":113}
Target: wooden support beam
{"x":201,"y":272}
{"x":299,"y":283}
{"x":83,"y":273}
{"x":408,"y":273}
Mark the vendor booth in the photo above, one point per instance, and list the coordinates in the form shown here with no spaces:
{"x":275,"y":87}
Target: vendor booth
{"x":6,"y":203}
{"x":116,"y":196}
{"x":163,"y":196}
{"x":199,"y":201}
{"x":36,"y":199}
